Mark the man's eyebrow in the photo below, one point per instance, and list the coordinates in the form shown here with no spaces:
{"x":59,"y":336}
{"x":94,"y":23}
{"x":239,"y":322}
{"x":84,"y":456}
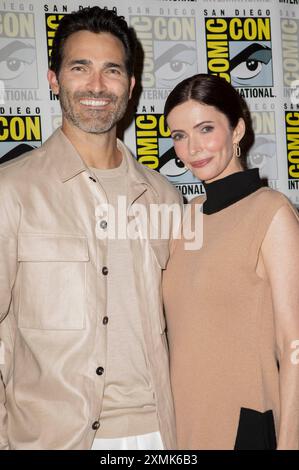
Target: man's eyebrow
{"x":79,"y":62}
{"x":109,"y":65}
{"x":106,"y":65}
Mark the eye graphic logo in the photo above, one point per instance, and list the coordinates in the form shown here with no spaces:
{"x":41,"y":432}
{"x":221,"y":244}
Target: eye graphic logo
{"x":240,"y":50}
{"x":174,"y":63}
{"x":251,"y":64}
{"x":18,"y":67}
{"x":263,"y":154}
{"x":17,"y":61}
{"x":18,"y":134}
{"x":171,"y":166}
{"x":170,"y":50}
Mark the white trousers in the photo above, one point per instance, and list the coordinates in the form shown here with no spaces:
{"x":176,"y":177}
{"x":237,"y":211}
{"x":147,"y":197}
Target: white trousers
{"x":151,"y":441}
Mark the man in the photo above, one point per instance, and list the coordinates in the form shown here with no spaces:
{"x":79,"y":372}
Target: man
{"x":85,"y":355}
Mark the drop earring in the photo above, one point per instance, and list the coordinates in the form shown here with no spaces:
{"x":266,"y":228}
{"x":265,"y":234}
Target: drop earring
{"x":237,"y":150}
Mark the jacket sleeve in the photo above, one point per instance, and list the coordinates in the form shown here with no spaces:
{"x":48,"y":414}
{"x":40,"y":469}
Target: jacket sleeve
{"x":281,"y":258}
{"x":8,"y":268}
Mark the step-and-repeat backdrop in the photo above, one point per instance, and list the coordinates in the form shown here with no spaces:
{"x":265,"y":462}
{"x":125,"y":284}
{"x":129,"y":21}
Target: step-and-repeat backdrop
{"x":254,"y":44}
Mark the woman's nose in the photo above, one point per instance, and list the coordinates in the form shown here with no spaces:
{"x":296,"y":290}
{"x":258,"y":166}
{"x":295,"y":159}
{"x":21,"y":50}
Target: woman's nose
{"x":194,"y":145}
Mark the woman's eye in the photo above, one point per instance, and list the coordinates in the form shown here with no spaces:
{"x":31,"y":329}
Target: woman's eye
{"x":207,"y":129}
{"x":177,"y":137}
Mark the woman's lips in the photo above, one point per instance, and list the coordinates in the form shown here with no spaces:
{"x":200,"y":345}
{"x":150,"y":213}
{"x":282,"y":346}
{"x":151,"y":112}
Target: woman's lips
{"x":201,"y":163}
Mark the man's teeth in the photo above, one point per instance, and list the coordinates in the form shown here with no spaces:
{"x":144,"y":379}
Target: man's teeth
{"x":94,"y":102}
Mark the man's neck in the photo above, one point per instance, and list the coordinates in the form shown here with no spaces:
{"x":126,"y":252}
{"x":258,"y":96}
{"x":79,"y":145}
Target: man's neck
{"x":96,"y":150}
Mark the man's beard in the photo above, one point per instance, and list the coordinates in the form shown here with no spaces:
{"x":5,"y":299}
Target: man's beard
{"x":94,"y":121}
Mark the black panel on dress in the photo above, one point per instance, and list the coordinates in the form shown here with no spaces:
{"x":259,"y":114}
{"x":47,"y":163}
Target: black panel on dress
{"x":256,"y":430}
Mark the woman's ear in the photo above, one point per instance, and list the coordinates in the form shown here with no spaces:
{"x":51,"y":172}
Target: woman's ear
{"x":239,"y":131}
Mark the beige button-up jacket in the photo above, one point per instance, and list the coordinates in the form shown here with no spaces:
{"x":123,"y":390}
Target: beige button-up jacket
{"x":53,"y":298}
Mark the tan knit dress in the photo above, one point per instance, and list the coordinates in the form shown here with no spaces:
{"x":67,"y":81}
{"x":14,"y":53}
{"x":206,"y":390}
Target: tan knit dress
{"x":221,"y":331}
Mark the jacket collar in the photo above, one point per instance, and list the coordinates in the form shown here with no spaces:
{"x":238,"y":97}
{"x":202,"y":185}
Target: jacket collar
{"x":69,"y":164}
{"x":65,"y":157}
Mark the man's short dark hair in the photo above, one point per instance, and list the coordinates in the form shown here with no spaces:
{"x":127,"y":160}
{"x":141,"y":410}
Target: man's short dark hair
{"x":95,"y":20}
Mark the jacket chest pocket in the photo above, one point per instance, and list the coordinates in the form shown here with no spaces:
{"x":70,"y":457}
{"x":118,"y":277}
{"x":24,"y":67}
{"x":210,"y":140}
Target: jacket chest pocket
{"x":160,"y":250}
{"x":52,"y":282}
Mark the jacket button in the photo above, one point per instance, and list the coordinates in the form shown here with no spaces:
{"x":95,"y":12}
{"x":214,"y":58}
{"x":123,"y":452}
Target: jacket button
{"x":105,"y":320}
{"x":100,"y":371}
{"x":95,"y":425}
{"x":92,"y":179}
{"x":103,"y":224}
{"x":105,"y":270}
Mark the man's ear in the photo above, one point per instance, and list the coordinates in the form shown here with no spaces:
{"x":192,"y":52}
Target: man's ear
{"x":53,"y":81}
{"x":132,"y":84}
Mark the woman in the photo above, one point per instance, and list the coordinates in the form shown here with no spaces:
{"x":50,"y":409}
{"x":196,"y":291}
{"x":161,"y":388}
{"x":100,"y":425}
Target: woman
{"x":232,"y":306}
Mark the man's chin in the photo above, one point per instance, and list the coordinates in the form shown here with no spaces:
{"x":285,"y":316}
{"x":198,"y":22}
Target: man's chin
{"x":95,"y":128}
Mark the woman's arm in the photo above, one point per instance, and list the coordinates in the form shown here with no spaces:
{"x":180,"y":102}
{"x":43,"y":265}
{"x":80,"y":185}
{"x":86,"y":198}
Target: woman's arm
{"x":280,"y":253}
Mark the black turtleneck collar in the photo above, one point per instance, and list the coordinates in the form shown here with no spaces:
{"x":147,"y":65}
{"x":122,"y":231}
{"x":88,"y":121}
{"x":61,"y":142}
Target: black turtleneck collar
{"x":226,"y":191}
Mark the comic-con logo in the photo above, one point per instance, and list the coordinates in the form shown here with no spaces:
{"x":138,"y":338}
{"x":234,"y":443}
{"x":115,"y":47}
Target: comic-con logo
{"x":154,"y":148}
{"x":292,"y":143}
{"x":263,"y":154}
{"x":52,"y":22}
{"x":18,"y":134}
{"x":169,"y":46}
{"x":290,"y":53}
{"x":240,"y":50}
{"x":18,"y":65}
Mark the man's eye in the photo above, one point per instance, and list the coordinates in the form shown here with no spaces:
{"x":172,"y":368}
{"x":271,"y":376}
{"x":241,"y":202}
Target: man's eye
{"x":114,"y":71}
{"x":78,"y":68}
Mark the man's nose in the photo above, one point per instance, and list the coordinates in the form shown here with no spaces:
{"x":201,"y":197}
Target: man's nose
{"x":97,"y":82}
